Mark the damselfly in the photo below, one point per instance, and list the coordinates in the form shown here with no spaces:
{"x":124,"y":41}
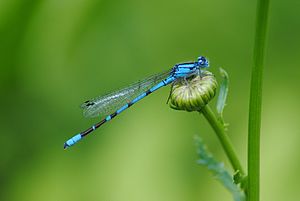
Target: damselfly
{"x":112,"y":104}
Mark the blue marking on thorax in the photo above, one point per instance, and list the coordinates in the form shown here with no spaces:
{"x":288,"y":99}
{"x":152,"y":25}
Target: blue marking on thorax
{"x":93,"y":127}
{"x":185,"y":70}
{"x":191,"y":65}
{"x":122,"y":109}
{"x":73,"y":140}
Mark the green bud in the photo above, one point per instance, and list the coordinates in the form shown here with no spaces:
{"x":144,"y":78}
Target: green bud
{"x":193,"y":93}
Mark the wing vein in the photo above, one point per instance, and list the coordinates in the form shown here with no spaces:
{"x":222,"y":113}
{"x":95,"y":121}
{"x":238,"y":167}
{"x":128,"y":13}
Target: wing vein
{"x":104,"y":105}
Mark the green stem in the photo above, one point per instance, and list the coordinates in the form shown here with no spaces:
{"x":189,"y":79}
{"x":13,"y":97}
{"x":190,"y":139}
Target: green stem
{"x":255,"y":101}
{"x":224,"y":139}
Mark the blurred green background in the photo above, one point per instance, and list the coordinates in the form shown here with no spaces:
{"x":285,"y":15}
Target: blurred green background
{"x":55,"y":54}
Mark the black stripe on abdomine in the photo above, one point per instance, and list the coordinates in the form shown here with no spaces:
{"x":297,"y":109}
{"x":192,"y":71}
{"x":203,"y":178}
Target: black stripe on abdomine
{"x":113,"y":114}
{"x":148,"y":92}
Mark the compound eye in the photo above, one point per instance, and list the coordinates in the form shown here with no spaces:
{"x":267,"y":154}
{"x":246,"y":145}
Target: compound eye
{"x":201,"y":60}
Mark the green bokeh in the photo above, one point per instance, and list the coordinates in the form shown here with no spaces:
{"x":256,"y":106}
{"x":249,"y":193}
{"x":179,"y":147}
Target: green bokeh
{"x":55,"y":54}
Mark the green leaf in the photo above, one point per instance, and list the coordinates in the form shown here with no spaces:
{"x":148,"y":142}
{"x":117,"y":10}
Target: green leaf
{"x":221,"y":102}
{"x":218,"y":170}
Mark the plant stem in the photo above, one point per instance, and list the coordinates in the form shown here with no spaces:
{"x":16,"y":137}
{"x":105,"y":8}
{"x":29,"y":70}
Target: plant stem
{"x":224,"y":139}
{"x":255,"y":101}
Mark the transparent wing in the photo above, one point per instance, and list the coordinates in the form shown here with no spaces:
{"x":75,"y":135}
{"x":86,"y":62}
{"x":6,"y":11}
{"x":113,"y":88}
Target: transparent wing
{"x":109,"y":103}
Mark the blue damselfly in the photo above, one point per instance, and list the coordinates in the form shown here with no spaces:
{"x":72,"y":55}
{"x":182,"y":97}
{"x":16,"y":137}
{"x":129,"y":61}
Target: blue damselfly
{"x":112,"y":104}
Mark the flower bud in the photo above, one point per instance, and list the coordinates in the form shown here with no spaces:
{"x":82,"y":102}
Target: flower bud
{"x":193,"y":93}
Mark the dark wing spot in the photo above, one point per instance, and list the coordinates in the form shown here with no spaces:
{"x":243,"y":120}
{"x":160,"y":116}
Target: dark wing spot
{"x":89,"y":103}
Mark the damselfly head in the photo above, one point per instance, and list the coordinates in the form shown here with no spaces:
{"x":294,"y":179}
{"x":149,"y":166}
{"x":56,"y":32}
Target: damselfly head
{"x":203,"y":62}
